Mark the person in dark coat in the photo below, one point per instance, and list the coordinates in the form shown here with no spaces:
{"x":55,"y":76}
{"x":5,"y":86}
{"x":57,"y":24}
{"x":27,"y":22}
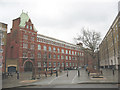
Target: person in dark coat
{"x":17,"y":75}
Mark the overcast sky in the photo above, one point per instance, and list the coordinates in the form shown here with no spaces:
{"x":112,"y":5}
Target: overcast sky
{"x":62,"y":19}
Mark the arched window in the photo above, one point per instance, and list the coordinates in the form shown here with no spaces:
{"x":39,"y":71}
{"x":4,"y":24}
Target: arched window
{"x":39,"y":47}
{"x":49,"y":48}
{"x":45,"y":48}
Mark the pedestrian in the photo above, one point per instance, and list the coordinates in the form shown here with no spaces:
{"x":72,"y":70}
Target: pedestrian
{"x":45,"y":74}
{"x":101,"y":72}
{"x":88,"y":73}
{"x":17,"y":75}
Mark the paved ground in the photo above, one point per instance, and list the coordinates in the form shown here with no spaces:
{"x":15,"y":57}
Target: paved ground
{"x":63,"y":80}
{"x":75,"y":86}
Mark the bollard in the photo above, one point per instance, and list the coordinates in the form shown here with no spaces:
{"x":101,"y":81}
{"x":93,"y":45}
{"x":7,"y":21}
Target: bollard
{"x":67,"y":72}
{"x":56,"y":74}
{"x":113,"y":72}
{"x":78,"y":73}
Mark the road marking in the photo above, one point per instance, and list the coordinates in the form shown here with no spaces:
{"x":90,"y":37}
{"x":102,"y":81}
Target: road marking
{"x":56,"y":78}
{"x":74,"y":78}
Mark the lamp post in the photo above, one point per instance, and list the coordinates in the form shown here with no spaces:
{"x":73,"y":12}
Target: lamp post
{"x":98,"y":59}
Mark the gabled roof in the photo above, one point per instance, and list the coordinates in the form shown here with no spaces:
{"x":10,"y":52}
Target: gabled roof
{"x":23,"y":19}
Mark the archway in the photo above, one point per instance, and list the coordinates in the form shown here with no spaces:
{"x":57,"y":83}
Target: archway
{"x":28,"y":66}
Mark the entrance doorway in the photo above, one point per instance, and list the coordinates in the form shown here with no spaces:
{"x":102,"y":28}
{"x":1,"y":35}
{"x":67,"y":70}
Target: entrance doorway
{"x":28,"y":66}
{"x":12,"y":69}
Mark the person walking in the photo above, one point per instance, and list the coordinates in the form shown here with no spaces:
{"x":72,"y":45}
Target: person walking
{"x":88,"y":73}
{"x":17,"y":75}
{"x":45,"y":74}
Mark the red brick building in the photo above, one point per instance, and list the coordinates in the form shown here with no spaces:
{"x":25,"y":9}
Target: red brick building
{"x":28,"y":50}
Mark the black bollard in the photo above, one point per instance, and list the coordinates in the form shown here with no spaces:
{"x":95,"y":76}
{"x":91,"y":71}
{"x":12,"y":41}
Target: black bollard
{"x":67,"y":72}
{"x":51,"y":72}
{"x":56,"y":73}
{"x":78,"y":73}
{"x":113,"y":72}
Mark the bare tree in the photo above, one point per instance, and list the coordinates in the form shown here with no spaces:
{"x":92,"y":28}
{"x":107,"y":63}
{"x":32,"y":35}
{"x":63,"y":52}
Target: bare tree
{"x":90,"y":40}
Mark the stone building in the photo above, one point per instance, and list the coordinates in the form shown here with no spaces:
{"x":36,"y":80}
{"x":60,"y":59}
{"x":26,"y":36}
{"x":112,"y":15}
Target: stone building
{"x":110,"y":46}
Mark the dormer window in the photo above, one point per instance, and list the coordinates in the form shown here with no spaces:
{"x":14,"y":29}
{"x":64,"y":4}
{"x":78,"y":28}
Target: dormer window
{"x":30,"y":27}
{"x":27,"y":26}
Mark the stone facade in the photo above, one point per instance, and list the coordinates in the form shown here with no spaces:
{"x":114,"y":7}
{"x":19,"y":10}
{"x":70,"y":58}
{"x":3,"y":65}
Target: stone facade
{"x":109,"y":47}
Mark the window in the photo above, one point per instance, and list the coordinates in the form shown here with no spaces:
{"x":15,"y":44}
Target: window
{"x":25,"y":37}
{"x":39,"y":64}
{"x":72,"y":52}
{"x":73,"y":65}
{"x":66,"y":57}
{"x":119,"y":24}
{"x":30,"y":27}
{"x":69,"y":57}
{"x":66,"y":51}
{"x":69,"y":52}
{"x":39,"y":47}
{"x":73,"y":58}
{"x":39,"y":55}
{"x":45,"y":65}
{"x":62,"y":64}
{"x":66,"y":64}
{"x":82,"y":54}
{"x":25,"y":45}
{"x":58,"y":56}
{"x":62,"y":57}
{"x":49,"y":64}
{"x":76,"y":64}
{"x":54,"y":56}
{"x":32,"y":46}
{"x":49,"y":56}
{"x":24,"y":54}
{"x":58,"y":64}
{"x":49,"y":48}
{"x":45,"y":55}
{"x":54,"y":64}
{"x":70,"y":64}
{"x":58,"y":50}
{"x":62,"y":50}
{"x":54,"y":49}
{"x":75,"y":53}
{"x":32,"y":38}
{"x":32,"y":55}
{"x":27,"y":26}
{"x":45,"y":48}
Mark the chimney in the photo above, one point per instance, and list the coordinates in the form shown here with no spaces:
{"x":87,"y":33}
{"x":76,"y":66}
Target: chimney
{"x":118,"y":6}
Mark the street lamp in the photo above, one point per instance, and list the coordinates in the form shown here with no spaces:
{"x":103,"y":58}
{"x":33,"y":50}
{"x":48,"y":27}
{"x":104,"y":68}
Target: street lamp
{"x":98,"y":59}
